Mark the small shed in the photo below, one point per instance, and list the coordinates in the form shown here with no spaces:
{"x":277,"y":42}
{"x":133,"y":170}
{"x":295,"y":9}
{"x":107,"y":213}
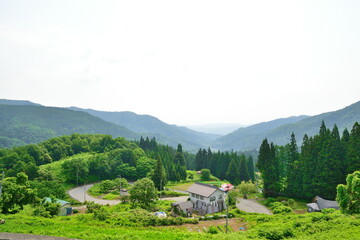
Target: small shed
{"x":185,"y":207}
{"x":320,"y":204}
{"x":65,"y":207}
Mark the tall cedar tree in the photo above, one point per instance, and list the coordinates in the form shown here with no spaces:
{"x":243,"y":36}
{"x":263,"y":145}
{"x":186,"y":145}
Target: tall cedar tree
{"x":268,"y":167}
{"x":353,"y":150}
{"x":293,"y":176}
{"x":180,"y":164}
{"x":244,"y":172}
{"x":233,"y":172}
{"x":250,"y":166}
{"x":159,"y":176}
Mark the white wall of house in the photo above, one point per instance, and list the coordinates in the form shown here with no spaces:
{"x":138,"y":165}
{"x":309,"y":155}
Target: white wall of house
{"x":217,"y":195}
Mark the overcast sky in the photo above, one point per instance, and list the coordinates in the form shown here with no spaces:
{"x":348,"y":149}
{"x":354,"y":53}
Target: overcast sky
{"x":185,"y":62}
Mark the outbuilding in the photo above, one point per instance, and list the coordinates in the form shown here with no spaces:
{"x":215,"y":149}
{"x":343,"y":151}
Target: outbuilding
{"x":320,"y":204}
{"x":65,"y":207}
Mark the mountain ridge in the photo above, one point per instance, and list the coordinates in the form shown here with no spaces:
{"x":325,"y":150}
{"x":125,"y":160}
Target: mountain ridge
{"x":241,"y":139}
{"x":151,"y":126}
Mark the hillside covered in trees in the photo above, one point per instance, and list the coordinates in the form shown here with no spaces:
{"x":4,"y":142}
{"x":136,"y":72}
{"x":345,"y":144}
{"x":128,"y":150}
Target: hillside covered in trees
{"x":322,"y":162}
{"x":150,"y":126}
{"x":279,"y":130}
{"x":25,"y":124}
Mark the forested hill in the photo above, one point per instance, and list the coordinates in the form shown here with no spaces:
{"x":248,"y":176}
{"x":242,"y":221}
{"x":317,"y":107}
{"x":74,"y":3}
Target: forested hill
{"x":17,"y":102}
{"x":251,"y":137}
{"x":279,"y":132}
{"x":25,"y":124}
{"x":150,"y":126}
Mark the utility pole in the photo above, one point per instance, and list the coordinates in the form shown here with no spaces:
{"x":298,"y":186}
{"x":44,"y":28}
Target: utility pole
{"x":120,"y":185}
{"x":1,"y":184}
{"x":77,"y":176}
{"x":84,"y":192}
{"x":227,"y":213}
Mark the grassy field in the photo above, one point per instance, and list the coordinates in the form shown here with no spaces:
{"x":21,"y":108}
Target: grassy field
{"x":329,"y":225}
{"x":184,"y":185}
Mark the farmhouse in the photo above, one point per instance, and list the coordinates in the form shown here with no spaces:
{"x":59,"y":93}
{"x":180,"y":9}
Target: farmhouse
{"x":321,"y":204}
{"x":206,"y":198}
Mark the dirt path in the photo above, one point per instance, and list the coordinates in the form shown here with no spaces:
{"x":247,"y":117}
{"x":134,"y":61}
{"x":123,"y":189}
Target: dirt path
{"x":17,"y":236}
{"x":203,"y":226}
{"x":251,"y":205}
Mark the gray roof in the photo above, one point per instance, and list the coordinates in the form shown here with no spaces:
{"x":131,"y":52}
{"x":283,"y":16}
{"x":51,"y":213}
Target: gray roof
{"x":202,"y":189}
{"x":183,"y":205}
{"x":323,"y":203}
{"x":313,"y":206}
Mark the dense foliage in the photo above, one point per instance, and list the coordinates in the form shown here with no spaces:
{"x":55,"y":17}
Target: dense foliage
{"x":226,"y":165}
{"x":20,"y":125}
{"x":323,"y":162}
{"x":175,"y":162}
{"x":348,"y":196}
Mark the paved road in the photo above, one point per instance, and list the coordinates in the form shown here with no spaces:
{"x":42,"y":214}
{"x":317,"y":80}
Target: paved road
{"x":80,"y":194}
{"x":251,"y":205}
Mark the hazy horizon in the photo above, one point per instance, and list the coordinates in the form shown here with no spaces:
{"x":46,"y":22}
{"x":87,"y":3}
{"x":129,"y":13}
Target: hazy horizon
{"x":187,"y":63}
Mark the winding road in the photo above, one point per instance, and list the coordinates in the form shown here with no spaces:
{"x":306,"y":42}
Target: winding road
{"x":247,"y":205}
{"x":80,"y":194}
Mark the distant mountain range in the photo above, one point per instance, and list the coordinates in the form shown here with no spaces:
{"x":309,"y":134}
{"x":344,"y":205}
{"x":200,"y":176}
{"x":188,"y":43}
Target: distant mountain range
{"x":24,"y":122}
{"x":278,"y":131}
{"x":219,"y":128}
{"x":147,"y":125}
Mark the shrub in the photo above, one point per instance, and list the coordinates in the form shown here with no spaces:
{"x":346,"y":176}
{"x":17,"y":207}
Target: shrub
{"x":247,"y":187}
{"x":275,"y":205}
{"x":268,"y":201}
{"x":212,"y":230}
{"x":92,"y":206}
{"x":101,"y":214}
{"x":282,"y":210}
{"x":291,"y":202}
{"x":275,"y":233}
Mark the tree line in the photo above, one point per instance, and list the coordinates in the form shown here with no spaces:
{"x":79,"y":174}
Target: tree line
{"x":226,"y":165}
{"x":322,"y":162}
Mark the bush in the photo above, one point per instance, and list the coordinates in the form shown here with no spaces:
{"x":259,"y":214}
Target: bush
{"x":212,"y":230}
{"x":291,"y":202}
{"x":275,"y":205}
{"x":92,"y":206}
{"x":282,"y":210}
{"x":268,"y":201}
{"x":47,"y":209}
{"x":101,"y":214}
{"x":247,"y":187}
{"x":275,"y":233}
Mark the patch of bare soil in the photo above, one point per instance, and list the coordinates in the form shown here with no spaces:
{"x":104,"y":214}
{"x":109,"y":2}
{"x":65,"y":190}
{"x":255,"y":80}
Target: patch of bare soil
{"x":235,"y":224}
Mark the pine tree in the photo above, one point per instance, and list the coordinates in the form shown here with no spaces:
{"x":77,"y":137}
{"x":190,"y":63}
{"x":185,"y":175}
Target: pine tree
{"x":268,"y":167}
{"x":293,"y":176}
{"x":159,"y":176}
{"x":244,"y":172}
{"x":233,"y":173}
{"x":353,"y":150}
{"x":250,"y":166}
